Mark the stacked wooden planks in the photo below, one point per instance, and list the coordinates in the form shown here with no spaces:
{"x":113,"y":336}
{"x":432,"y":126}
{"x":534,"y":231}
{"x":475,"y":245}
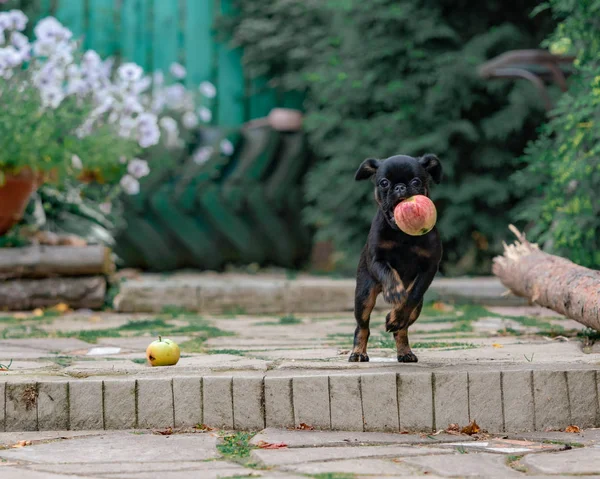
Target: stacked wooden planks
{"x":43,"y":276}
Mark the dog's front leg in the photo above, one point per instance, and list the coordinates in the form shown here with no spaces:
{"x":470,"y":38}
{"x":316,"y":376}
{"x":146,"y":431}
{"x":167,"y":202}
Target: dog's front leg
{"x":391,"y":283}
{"x":409,"y":311}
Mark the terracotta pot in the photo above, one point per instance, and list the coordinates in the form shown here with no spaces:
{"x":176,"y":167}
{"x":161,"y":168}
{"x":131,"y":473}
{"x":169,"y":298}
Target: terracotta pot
{"x":14,"y":196}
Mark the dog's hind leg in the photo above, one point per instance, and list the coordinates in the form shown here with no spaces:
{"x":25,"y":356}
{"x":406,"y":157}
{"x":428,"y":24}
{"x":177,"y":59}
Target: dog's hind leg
{"x":405,"y":354}
{"x":364,"y":302}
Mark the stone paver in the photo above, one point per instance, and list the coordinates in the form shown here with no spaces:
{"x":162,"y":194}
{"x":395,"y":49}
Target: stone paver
{"x":126,"y":448}
{"x":372,"y":467}
{"x":380,"y":401}
{"x":575,"y":461}
{"x":139,"y":454}
{"x":279,"y":457}
{"x":52,"y":406}
{"x":551,"y":399}
{"x":346,"y":403}
{"x":279,"y":403}
{"x":218,"y":401}
{"x":451,"y":399}
{"x":311,"y":401}
{"x":465,"y":465}
{"x":119,"y":404}
{"x":348,"y":438}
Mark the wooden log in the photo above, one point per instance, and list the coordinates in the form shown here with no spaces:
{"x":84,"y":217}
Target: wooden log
{"x":24,"y":294}
{"x":47,"y":261}
{"x":550,"y":281}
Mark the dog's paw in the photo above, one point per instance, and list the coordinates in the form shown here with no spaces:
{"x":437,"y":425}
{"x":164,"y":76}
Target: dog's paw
{"x":395,"y":294}
{"x":358,"y":358}
{"x":408,"y":358}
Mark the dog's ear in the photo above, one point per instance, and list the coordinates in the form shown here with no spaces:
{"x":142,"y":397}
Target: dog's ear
{"x":432,"y":165}
{"x":367,"y":169}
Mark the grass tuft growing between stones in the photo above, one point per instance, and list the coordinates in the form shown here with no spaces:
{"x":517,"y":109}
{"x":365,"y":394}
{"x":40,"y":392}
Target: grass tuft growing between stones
{"x":236,"y":446}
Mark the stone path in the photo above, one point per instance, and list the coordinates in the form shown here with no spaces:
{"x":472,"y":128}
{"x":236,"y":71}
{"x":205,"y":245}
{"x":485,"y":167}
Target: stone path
{"x":276,"y":453}
{"x":509,"y":368}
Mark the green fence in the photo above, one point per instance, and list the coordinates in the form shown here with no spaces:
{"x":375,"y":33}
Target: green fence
{"x":156,"y":33}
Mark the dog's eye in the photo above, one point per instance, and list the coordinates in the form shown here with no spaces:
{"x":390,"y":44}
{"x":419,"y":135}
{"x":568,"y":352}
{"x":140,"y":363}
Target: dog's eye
{"x":416,"y":182}
{"x":384,"y":183}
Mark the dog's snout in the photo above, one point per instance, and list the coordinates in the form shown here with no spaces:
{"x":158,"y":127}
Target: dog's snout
{"x":400,"y":189}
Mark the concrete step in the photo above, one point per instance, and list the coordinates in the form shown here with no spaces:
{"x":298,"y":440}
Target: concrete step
{"x":212,"y":293}
{"x":501,"y":399}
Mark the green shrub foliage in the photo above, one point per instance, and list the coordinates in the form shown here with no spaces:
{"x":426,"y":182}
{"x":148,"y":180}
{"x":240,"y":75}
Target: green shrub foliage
{"x":562,"y":176}
{"x":385,"y":77}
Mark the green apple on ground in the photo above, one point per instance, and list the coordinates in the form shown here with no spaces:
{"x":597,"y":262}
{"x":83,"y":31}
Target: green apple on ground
{"x":163,"y":352}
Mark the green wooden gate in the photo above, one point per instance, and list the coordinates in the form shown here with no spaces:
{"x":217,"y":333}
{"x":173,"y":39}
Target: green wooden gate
{"x":243,"y":208}
{"x":156,"y":33}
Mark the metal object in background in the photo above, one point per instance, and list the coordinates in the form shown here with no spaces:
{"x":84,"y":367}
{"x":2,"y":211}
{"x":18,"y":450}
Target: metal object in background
{"x":540,"y":67}
{"x":244,"y":208}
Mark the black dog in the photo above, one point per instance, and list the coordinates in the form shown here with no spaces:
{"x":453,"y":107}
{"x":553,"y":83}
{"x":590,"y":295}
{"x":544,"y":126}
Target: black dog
{"x":392,"y":262}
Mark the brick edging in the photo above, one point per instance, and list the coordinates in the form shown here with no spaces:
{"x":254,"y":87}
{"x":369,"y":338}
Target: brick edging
{"x":500,"y":401}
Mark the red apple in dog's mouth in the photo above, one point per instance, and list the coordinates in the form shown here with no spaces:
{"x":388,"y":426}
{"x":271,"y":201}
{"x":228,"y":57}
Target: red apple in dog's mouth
{"x":416,"y":215}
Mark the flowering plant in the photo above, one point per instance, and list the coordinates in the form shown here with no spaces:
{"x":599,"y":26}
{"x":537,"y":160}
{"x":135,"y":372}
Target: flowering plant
{"x":64,"y":113}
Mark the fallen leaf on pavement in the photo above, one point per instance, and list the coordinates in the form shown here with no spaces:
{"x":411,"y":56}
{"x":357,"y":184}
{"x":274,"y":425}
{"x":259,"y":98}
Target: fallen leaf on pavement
{"x":304,"y":427}
{"x":204,"y":427}
{"x":574,"y":429}
{"x":164,"y":432}
{"x":271,"y":445}
{"x":61,"y":308}
{"x":471,"y":429}
{"x":439,"y":306}
{"x":497,"y":345}
{"x":453,"y":429}
{"x":20,"y":316}
{"x":37,"y":312}
{"x":21,"y":444}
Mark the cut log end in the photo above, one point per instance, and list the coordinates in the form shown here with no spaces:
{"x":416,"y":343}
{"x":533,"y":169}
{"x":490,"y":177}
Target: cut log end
{"x":550,"y":281}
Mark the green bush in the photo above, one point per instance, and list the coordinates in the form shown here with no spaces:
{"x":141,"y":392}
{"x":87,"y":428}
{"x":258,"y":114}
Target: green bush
{"x":384,"y":77}
{"x":563,"y":164}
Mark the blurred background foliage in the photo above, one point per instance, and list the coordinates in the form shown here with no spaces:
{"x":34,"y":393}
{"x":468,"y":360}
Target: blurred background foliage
{"x":562,"y":174}
{"x":400,"y":76}
{"x":385,"y":77}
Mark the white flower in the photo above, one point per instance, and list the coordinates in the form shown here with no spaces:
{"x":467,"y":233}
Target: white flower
{"x":11,"y":57}
{"x":5,"y":21}
{"x":189,"y":120}
{"x":177,"y":70}
{"x":226,"y":147}
{"x":205,"y":114}
{"x":2,"y":36}
{"x":76,"y":162}
{"x":126,"y":124}
{"x":146,"y":121}
{"x":18,"y":20}
{"x":131,"y":105}
{"x":77,"y":87}
{"x":149,"y":138}
{"x":168,"y":123}
{"x":202,"y":154}
{"x":141,"y":85}
{"x":91,"y":59}
{"x":175,"y":95}
{"x":208,"y":89}
{"x":158,"y":78}
{"x":19,"y":41}
{"x":50,"y":30}
{"x":130,"y":72}
{"x":52,"y":97}
{"x":106,"y":208}
{"x":130,"y":185}
{"x":138,"y":168}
